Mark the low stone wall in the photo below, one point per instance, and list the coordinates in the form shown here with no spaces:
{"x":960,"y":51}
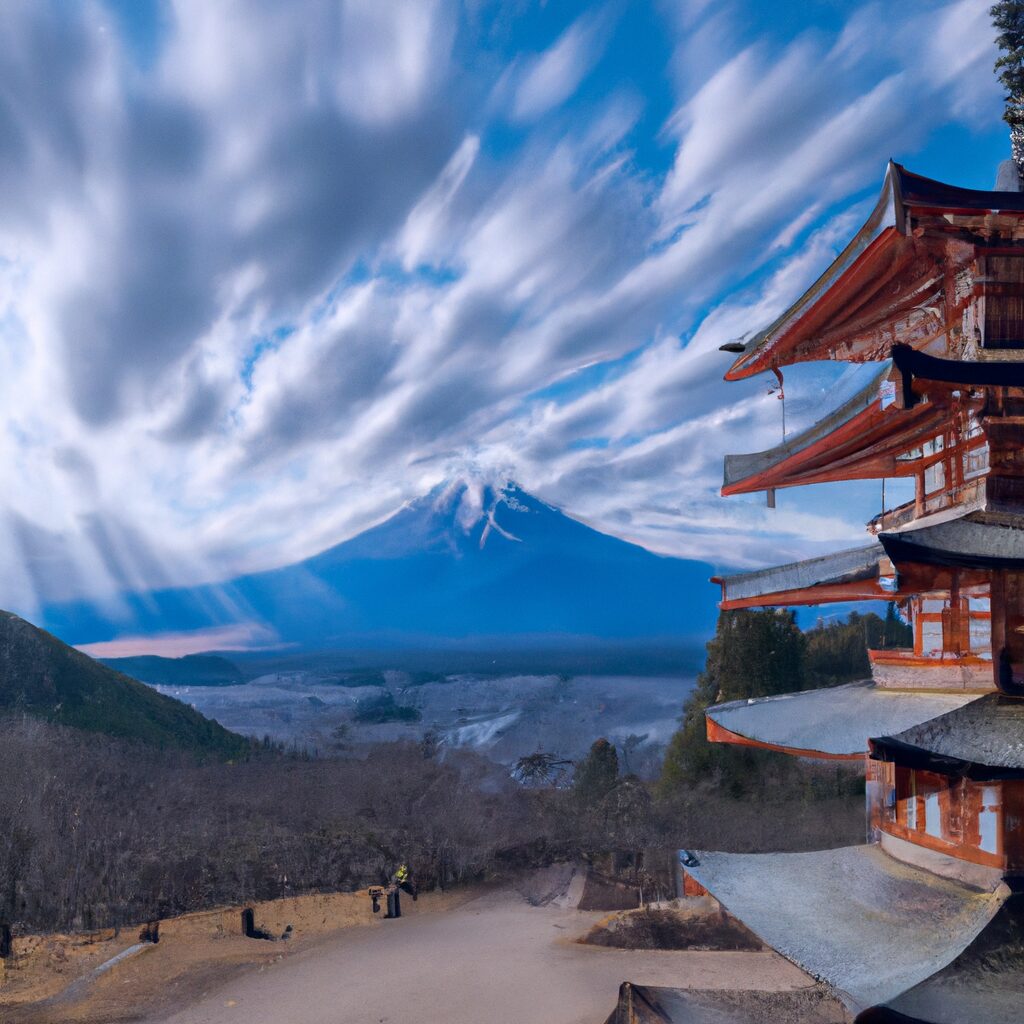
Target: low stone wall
{"x":311,"y":913}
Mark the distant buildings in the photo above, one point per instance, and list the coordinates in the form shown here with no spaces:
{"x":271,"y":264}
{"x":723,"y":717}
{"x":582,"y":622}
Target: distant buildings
{"x":923,"y":922}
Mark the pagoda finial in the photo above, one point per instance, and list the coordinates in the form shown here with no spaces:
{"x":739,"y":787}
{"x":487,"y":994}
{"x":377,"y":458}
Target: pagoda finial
{"x":1008,"y":18}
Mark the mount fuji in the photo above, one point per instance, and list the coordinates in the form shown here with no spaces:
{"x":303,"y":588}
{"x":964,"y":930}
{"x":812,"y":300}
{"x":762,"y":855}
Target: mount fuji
{"x":469,"y":563}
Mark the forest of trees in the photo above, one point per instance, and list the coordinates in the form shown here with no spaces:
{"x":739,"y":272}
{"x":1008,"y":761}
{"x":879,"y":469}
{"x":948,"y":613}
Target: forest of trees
{"x":97,"y":831}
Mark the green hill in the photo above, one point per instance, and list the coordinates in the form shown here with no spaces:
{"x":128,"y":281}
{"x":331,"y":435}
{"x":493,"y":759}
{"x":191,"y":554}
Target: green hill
{"x":43,"y":677}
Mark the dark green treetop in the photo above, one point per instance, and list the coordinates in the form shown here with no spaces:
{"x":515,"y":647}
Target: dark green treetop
{"x":1008,"y":19}
{"x":597,"y":774}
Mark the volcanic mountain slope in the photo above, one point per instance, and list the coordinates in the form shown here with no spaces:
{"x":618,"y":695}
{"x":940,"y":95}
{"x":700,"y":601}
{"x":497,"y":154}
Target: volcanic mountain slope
{"x":467,"y":561}
{"x":43,"y":677}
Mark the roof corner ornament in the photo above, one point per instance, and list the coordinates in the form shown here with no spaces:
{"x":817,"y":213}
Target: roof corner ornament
{"x":1008,"y":19}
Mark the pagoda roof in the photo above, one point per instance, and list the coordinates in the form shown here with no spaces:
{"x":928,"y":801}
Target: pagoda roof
{"x":870,"y":926}
{"x":983,"y":739}
{"x":859,"y":440}
{"x":978,"y":540}
{"x":834,"y":722}
{"x":849,"y":575}
{"x":984,"y":983}
{"x":647,"y":1004}
{"x":856,"y":293}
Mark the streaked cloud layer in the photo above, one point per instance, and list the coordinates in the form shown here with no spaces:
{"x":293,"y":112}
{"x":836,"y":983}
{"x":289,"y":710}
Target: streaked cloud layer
{"x":269,"y":270}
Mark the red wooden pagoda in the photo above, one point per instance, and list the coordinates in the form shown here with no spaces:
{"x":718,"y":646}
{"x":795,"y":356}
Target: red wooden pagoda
{"x":931,"y":290}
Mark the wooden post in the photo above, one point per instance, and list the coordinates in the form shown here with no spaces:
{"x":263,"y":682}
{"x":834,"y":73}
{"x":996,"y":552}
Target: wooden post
{"x":1007,"y":602}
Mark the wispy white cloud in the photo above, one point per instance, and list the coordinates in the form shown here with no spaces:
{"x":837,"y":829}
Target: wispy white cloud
{"x":552,"y":77}
{"x":256,"y":296}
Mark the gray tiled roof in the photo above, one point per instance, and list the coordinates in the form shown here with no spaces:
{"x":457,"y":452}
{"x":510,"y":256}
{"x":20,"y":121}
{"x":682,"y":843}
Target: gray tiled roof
{"x":839,"y":567}
{"x":648,"y":1003}
{"x":869,"y":925}
{"x":836,"y":720}
{"x":987,"y":733}
{"x":985,"y":983}
{"x":980,"y":539}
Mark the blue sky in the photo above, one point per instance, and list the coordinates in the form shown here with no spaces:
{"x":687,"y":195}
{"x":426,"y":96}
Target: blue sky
{"x":269,"y":270}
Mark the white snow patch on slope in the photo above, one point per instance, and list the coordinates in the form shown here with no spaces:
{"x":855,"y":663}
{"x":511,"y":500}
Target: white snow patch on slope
{"x":480,"y":734}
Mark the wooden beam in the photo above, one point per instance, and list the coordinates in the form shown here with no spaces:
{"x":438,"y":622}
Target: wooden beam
{"x":824,"y":593}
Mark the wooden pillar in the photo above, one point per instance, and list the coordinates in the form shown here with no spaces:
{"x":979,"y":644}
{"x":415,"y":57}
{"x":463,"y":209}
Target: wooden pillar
{"x":971,"y":819}
{"x":1013,"y":823}
{"x":1008,"y":631}
{"x":1004,"y":485}
{"x":956,"y":620}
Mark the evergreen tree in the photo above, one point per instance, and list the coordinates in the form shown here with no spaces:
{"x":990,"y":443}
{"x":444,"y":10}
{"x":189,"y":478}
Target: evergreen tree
{"x":757,"y":654}
{"x":1008,"y":18}
{"x":752,"y":654}
{"x":597,"y":774}
{"x":896,"y":632}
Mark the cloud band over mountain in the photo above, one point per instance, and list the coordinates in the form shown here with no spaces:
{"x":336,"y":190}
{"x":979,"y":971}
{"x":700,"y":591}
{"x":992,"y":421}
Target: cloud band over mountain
{"x":269,"y":271}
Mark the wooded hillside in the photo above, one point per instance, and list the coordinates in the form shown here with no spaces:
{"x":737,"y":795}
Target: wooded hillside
{"x":43,"y":677}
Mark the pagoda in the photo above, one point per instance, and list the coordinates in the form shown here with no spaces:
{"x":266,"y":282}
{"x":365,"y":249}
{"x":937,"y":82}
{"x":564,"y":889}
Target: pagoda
{"x":923,"y":921}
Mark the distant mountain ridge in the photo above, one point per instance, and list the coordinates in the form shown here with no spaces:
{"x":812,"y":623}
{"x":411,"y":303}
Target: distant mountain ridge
{"x":43,"y":677}
{"x":467,"y":561}
{"x":191,"y":670}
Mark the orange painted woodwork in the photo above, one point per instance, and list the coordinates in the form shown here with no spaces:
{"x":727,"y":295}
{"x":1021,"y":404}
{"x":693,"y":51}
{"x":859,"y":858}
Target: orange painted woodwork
{"x":900,"y":656}
{"x":934,"y":283}
{"x":719,"y":734}
{"x":848,"y":298}
{"x":691,"y":887}
{"x":826,"y":593}
{"x":865,"y":447}
{"x":976,"y":821}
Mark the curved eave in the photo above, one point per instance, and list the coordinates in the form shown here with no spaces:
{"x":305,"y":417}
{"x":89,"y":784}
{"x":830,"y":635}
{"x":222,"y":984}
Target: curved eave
{"x":743,"y":471}
{"x":926,"y":195}
{"x":869,"y":925}
{"x":909,"y":755}
{"x":971,"y":542}
{"x":983,"y":740}
{"x":821,"y":593}
{"x":851,"y":575}
{"x":719,"y":734}
{"x":879,"y":232}
{"x":833,"y":723}
{"x":905,"y":199}
{"x":867,"y":445}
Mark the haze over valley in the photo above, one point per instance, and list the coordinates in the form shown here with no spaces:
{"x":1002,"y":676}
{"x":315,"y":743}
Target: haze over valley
{"x":505,"y":717}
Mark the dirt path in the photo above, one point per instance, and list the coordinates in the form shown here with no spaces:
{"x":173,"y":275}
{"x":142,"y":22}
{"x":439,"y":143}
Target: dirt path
{"x":495,"y":958}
